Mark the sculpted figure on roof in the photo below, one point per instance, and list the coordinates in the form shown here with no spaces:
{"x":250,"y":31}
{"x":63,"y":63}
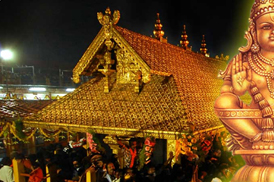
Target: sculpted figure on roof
{"x":107,"y":20}
{"x":251,"y":124}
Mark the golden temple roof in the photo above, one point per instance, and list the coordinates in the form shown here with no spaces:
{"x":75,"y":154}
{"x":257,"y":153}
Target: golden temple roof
{"x":155,"y":87}
{"x":195,"y":75}
{"x":21,"y":108}
{"x":157,"y":107}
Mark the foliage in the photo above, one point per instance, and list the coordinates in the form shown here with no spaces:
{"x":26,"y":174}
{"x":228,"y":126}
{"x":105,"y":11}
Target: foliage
{"x":97,"y":141}
{"x":19,"y":127}
{"x":195,"y":147}
{"x":142,"y":154}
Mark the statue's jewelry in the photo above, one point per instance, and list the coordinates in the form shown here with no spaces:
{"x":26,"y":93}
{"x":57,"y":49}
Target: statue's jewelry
{"x":255,"y":48}
{"x":257,"y":67}
{"x":265,"y":60}
{"x":231,"y":89}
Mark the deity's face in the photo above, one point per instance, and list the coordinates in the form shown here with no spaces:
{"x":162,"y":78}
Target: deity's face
{"x":265,"y":32}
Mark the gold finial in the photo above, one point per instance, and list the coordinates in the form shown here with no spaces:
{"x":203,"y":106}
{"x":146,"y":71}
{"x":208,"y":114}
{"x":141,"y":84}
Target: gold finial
{"x":203,"y":49}
{"x":261,"y":7}
{"x":107,"y":18}
{"x":184,"y":42}
{"x":158,"y":32}
{"x":222,"y":57}
{"x":108,"y":11}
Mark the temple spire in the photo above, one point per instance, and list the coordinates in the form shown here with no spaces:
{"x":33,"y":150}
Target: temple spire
{"x":158,"y":32}
{"x":203,"y":49}
{"x":184,"y":42}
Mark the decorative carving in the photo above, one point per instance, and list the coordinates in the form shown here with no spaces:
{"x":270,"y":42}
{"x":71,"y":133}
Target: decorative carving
{"x":128,"y":70}
{"x":107,"y":21}
{"x":131,"y":54}
{"x":112,"y":143}
{"x":171,"y":147}
{"x":106,"y":62}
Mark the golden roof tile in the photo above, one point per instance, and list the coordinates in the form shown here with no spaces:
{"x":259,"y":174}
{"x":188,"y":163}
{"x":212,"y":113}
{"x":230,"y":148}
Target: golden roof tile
{"x":21,"y":108}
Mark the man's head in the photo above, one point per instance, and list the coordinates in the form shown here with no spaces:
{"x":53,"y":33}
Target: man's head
{"x":6,"y":161}
{"x":97,"y":160}
{"x":75,"y":162}
{"x":133,"y":144}
{"x":110,"y":168}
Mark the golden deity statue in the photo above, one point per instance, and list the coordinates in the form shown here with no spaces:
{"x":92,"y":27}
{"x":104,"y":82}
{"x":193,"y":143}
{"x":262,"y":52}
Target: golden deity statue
{"x":252,"y":126}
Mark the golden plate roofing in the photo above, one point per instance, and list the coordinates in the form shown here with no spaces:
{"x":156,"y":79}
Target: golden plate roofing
{"x":21,"y":108}
{"x":194,"y":74}
{"x":183,"y":83}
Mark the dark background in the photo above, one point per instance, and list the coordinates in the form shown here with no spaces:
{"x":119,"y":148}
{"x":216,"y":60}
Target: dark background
{"x":56,"y":33}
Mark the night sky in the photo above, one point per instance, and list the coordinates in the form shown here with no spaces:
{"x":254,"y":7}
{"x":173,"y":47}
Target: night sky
{"x":56,"y":33}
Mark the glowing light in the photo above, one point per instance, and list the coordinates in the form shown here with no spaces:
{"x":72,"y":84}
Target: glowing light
{"x":6,"y":54}
{"x":37,"y":89}
{"x":1,"y":87}
{"x":70,"y":89}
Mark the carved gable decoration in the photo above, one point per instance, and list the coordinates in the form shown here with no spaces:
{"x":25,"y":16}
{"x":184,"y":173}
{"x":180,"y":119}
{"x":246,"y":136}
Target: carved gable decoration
{"x":114,"y":55}
{"x":128,"y":70}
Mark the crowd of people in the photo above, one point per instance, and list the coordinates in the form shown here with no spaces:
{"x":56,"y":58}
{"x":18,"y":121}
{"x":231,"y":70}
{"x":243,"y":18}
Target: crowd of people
{"x":68,"y":164}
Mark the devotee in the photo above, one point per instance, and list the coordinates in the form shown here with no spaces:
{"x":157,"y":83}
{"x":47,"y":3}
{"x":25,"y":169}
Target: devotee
{"x":109,"y":175}
{"x":36,"y":174}
{"x":130,"y":153}
{"x":6,"y":172}
{"x":78,"y":169}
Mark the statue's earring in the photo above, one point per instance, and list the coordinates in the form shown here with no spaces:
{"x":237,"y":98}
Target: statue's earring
{"x":255,"y":48}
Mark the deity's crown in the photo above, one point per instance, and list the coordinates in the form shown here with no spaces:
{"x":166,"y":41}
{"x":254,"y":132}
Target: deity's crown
{"x":261,"y":7}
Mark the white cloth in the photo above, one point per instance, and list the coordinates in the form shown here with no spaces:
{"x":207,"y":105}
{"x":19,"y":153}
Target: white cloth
{"x":6,"y":174}
{"x":107,"y":176}
{"x":216,"y":180}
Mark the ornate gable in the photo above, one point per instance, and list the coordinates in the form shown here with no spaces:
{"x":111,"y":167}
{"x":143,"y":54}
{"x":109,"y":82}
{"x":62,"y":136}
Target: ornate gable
{"x":110,"y":53}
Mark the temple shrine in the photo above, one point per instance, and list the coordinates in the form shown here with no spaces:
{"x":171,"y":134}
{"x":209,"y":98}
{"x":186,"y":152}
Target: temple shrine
{"x":140,"y":86}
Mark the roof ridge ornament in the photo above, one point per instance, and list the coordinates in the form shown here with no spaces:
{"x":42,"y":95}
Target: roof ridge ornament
{"x":184,"y":42}
{"x":107,"y":18}
{"x":203,"y":49}
{"x":158,"y":32}
{"x":107,"y":21}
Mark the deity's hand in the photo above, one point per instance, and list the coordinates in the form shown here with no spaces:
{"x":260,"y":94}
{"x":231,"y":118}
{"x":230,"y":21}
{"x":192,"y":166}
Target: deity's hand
{"x":241,"y":75}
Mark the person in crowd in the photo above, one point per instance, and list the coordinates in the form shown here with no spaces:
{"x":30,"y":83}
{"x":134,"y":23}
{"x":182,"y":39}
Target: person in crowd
{"x":109,"y":175}
{"x":129,"y":175}
{"x":25,"y":161}
{"x":78,"y":169}
{"x":6,"y":172}
{"x":36,"y":174}
{"x":130,"y":152}
{"x":151,"y":174}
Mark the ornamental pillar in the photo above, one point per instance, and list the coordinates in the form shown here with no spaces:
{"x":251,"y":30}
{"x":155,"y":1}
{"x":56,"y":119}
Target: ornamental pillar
{"x":32,"y":148}
{"x":171,"y":148}
{"x":18,"y":168}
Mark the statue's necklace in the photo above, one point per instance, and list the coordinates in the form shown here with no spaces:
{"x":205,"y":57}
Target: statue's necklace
{"x":265,"y":60}
{"x":259,"y":68}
